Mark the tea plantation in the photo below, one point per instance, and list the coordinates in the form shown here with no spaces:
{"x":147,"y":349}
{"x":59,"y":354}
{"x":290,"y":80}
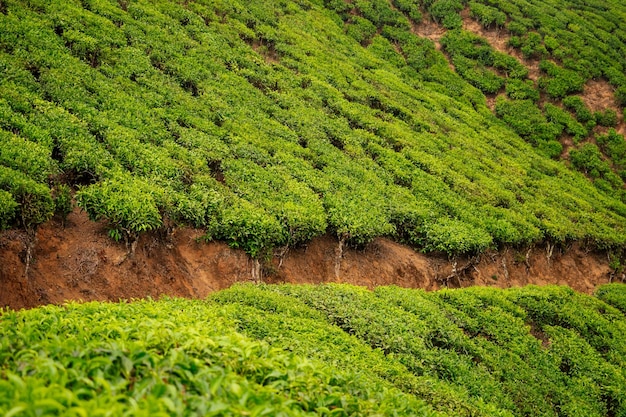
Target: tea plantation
{"x":267,"y":123}
{"x":322,"y":350}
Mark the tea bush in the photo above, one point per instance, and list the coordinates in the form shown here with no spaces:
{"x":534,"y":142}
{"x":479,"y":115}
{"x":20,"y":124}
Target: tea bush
{"x":271,"y":123}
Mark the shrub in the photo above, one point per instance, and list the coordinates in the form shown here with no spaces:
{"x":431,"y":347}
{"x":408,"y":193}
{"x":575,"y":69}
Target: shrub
{"x":446,"y":12}
{"x":560,"y":82}
{"x":126,"y":203}
{"x":521,"y":90}
{"x":35,"y":202}
{"x":613,"y":294}
{"x":575,"y":103}
{"x":620,"y":95}
{"x":487,"y":15}
{"x":410,"y":7}
{"x":517,"y":29}
{"x":588,"y":159}
{"x":509,"y":65}
{"x":477,"y":75}
{"x":531,"y":46}
{"x":247,"y":227}
{"x":526,"y":119}
{"x":8,"y":209}
{"x":550,"y":148}
{"x":453,"y":236}
{"x":360,"y":29}
{"x":607,"y":118}
{"x":558,"y":116}
{"x":62,"y":201}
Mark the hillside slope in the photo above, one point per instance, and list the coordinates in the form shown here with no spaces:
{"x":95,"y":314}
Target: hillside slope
{"x":271,"y":122}
{"x":322,"y":350}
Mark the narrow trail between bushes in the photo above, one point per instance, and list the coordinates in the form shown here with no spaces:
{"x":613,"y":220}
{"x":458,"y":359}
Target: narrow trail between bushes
{"x":80,"y":262}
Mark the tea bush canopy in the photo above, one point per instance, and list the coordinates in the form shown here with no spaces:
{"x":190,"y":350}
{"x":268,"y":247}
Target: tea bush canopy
{"x":268,"y":123}
{"x":322,"y":350}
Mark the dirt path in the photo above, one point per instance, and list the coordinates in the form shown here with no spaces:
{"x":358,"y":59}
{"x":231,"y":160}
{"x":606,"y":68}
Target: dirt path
{"x":79,"y":262}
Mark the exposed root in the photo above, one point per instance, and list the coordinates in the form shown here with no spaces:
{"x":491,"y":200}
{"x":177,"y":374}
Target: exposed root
{"x":131,"y":247}
{"x":457,"y":273}
{"x":505,"y":268}
{"x":549,"y":251}
{"x":257,"y":273}
{"x":280,"y":254}
{"x":339,"y":256}
{"x":527,"y":260}
{"x":31,"y":239}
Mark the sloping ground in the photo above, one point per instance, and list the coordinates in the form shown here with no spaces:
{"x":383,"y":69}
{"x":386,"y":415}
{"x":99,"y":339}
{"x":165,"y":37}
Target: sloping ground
{"x":498,"y":38}
{"x":597,"y":94}
{"x":329,"y":350}
{"x":275,"y":122}
{"x":80,"y":262}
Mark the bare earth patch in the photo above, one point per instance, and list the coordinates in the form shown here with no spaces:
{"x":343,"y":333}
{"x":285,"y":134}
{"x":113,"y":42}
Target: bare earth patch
{"x":598,"y":95}
{"x":427,"y":28}
{"x":80,"y":262}
{"x":499,"y":40}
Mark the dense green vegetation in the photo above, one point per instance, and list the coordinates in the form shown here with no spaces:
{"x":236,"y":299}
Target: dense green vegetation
{"x":270,"y":122}
{"x":322,"y":350}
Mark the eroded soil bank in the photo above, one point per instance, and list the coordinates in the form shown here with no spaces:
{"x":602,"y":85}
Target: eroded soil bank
{"x":80,"y":262}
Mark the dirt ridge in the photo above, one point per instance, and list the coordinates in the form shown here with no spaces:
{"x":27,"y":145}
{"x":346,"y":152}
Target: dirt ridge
{"x":80,"y":262}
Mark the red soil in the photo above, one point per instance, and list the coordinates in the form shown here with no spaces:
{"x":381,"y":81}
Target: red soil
{"x":79,"y":262}
{"x":427,"y":28}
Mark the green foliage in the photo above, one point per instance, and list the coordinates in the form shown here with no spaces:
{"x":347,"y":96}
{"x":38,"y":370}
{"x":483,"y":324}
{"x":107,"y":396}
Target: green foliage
{"x":469,"y":45}
{"x":614,"y":146}
{"x":34,"y":199}
{"x":521,"y":90}
{"x":247,"y":227}
{"x":613,"y":294}
{"x":62,"y":201}
{"x":576,"y":104}
{"x":487,"y":16}
{"x":560,"y":82}
{"x":322,"y":350}
{"x":480,"y":77}
{"x":446,"y":12}
{"x":8,"y":208}
{"x":586,"y":38}
{"x":620,"y":95}
{"x":589,"y":159}
{"x":360,"y":29}
{"x":509,"y":65}
{"x":558,"y":116}
{"x":410,"y":8}
{"x":475,"y":345}
{"x":607,"y":118}
{"x":268,"y":123}
{"x":472,"y":55}
{"x":126,"y":203}
{"x":531,"y":45}
{"x":25,"y":156}
{"x":527,"y":120}
{"x":453,"y":236}
{"x":172,"y":357}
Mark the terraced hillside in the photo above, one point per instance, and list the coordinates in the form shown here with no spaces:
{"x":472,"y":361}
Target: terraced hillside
{"x":326,"y":350}
{"x":267,"y":123}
